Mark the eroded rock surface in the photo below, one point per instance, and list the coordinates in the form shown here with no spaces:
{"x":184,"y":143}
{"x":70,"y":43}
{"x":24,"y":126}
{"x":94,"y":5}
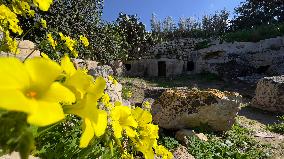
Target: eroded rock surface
{"x":182,"y":153}
{"x":269,"y":94}
{"x":179,"y":109}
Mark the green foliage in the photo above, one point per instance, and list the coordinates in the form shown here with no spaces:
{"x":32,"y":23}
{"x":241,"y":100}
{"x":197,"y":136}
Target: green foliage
{"x":253,"y":13}
{"x":62,"y":141}
{"x":255,"y":34}
{"x":277,"y":127}
{"x":168,"y":140}
{"x":15,"y":134}
{"x":72,"y":18}
{"x":136,"y":39}
{"x":202,"y":45}
{"x":234,"y":144}
{"x":212,"y":25}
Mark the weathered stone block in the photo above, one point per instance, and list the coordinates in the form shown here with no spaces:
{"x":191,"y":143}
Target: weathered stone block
{"x":269,"y":94}
{"x":179,"y":109}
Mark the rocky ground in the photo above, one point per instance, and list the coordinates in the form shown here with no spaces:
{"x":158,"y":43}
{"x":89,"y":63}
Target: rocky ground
{"x":252,"y":119}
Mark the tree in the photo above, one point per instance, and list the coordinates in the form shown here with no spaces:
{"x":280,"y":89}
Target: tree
{"x":182,"y":24}
{"x":168,"y":24}
{"x":137,"y":39}
{"x":155,"y":24}
{"x":216,"y":24}
{"x":72,"y":18}
{"x":252,"y":13}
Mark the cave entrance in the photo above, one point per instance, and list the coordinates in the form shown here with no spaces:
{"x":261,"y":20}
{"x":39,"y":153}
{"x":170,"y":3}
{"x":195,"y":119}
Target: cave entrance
{"x":162,"y":69}
{"x":190,"y":66}
{"x":127,"y":67}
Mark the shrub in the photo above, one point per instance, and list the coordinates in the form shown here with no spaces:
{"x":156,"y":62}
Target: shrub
{"x":277,"y":127}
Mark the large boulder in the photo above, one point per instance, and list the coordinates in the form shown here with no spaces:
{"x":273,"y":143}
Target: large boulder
{"x":269,"y":94}
{"x":181,"y":109}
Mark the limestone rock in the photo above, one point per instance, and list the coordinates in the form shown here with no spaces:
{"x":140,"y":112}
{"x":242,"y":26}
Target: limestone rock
{"x":182,"y":136}
{"x":182,"y":153}
{"x":181,"y":109}
{"x":103,"y":71}
{"x":154,"y":92}
{"x":15,"y":155}
{"x":269,"y":94}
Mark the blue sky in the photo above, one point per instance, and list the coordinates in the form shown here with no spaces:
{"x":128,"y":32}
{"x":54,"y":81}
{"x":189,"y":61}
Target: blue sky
{"x":164,"y":8}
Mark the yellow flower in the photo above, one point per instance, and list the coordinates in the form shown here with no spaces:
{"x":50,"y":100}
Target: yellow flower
{"x":106,"y":101}
{"x":163,"y":152}
{"x":50,"y":39}
{"x":147,"y":105}
{"x":44,"y":55}
{"x":69,"y":43}
{"x":11,"y":43}
{"x":150,"y":131}
{"x":122,"y":119}
{"x":76,"y":80}
{"x":84,"y":40}
{"x":95,"y":120}
{"x":142,"y":117}
{"x":126,"y":155}
{"x":112,"y":80}
{"x":30,"y":87}
{"x":7,"y":17}
{"x":43,"y":4}
{"x":43,"y":23}
{"x":146,"y":147}
{"x":22,"y":7}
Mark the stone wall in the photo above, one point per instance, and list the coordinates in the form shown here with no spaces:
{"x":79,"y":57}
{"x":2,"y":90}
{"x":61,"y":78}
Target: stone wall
{"x":225,"y":59}
{"x":150,"y":67}
{"x":242,"y":58}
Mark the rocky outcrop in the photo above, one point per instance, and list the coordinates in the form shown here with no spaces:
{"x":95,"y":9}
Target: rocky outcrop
{"x":179,"y":109}
{"x":182,"y":153}
{"x":184,"y":134}
{"x":25,"y":48}
{"x":269,"y":94}
{"x":16,"y":155}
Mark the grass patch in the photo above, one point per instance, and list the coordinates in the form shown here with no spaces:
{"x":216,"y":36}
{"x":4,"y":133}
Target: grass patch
{"x":183,"y":81}
{"x":277,"y":127}
{"x":202,"y":45}
{"x":234,"y":144}
{"x":255,"y":34}
{"x":62,"y":141}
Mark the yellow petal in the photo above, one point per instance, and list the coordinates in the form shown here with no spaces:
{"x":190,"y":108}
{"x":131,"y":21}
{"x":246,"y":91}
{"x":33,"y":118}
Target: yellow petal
{"x":130,"y":132}
{"x":59,"y":94}
{"x":88,"y":133}
{"x":67,"y":66}
{"x":117,"y":129}
{"x":100,"y":122}
{"x":45,"y":113}
{"x":95,"y":126}
{"x":13,"y":74}
{"x":79,"y":82}
{"x":43,"y":72}
{"x":14,"y":100}
{"x":97,"y":89}
{"x":141,"y":116}
{"x":43,"y":4}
